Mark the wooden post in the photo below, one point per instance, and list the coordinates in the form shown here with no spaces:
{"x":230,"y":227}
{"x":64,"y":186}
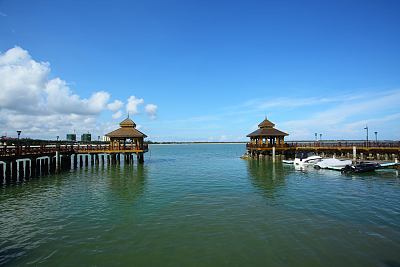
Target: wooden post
{"x":21,"y":173}
{"x":52,"y":162}
{"x":273,"y":153}
{"x":1,"y":173}
{"x":27,"y":169}
{"x":33,"y":167}
{"x":354,"y":153}
{"x":80,"y":161}
{"x":14,"y":170}
{"x":140,"y":157}
{"x":37,"y":167}
{"x":75,"y":161}
{"x":8,"y":172}
{"x":91,"y":159}
{"x":86,"y":160}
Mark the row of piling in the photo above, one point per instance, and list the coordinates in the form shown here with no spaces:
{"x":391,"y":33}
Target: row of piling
{"x":354,"y":154}
{"x":18,"y":170}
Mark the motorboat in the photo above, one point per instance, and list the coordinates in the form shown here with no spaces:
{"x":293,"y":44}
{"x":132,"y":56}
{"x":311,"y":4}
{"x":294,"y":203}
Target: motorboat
{"x":361,"y":167}
{"x":306,"y":159}
{"x":332,"y":163}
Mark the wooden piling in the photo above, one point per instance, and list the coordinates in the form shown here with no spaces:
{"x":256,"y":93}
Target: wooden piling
{"x":21,"y":173}
{"x":8,"y":172}
{"x":1,"y":173}
{"x":27,"y":169}
{"x":14,"y":170}
{"x":75,"y":161}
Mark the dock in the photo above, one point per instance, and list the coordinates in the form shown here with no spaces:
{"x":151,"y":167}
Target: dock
{"x":21,"y":162}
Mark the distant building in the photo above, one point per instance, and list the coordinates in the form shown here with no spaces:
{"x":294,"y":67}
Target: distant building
{"x":71,"y":137}
{"x":86,"y":137}
{"x":105,"y":138}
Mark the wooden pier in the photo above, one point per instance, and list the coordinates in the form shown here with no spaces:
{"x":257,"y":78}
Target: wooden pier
{"x":18,"y":163}
{"x":267,"y":141}
{"x":353,"y":150}
{"x":22,"y":162}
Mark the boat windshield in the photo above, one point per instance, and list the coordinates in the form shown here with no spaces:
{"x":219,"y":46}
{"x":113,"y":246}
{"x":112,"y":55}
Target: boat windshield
{"x":304,"y":155}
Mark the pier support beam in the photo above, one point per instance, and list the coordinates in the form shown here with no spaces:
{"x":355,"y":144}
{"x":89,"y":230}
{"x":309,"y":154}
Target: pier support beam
{"x":1,"y":173}
{"x":8,"y":171}
{"x":21,"y":173}
{"x":140,"y":158}
{"x":273,"y":154}
{"x":75,"y":164}
{"x":57,"y":161}
{"x":14,"y":170}
{"x":27,"y":169}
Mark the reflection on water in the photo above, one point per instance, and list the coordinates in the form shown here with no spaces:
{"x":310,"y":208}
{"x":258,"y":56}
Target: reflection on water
{"x":200,"y":205}
{"x":128,"y":182}
{"x":266,"y":175}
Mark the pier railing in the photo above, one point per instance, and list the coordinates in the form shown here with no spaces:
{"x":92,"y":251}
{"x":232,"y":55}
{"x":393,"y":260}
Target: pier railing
{"x":27,"y":150}
{"x":338,"y":144}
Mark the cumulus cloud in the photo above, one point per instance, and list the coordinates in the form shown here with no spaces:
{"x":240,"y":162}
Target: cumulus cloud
{"x":151,"y":110}
{"x":61,"y":99}
{"x":117,"y":114}
{"x":41,"y":106}
{"x":133,"y":104}
{"x":116,"y":105}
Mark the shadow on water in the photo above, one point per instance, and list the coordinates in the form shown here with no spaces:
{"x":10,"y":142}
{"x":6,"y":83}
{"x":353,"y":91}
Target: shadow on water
{"x":391,"y":263}
{"x":266,"y":175}
{"x":128,"y":181}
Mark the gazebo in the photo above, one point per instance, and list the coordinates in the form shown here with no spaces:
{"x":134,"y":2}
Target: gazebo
{"x":267,"y":135}
{"x":128,"y":139}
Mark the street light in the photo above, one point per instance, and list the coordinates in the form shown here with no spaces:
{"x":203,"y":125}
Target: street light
{"x":316,"y":137}
{"x":366,"y":128}
{"x":19,"y":133}
{"x":376,"y":137}
{"x":320,"y":137}
{"x":57,"y":138}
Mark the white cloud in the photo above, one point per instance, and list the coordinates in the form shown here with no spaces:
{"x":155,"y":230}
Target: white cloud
{"x":116,"y":105}
{"x":133,"y":104}
{"x":60,"y":99}
{"x":341,"y":121}
{"x":151,"y":110}
{"x":43,"y":107}
{"x":117,"y":114}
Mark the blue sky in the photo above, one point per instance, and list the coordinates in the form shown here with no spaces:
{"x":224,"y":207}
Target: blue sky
{"x":210,"y":69}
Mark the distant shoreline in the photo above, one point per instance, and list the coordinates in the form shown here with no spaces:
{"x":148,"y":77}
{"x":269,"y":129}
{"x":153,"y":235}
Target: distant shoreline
{"x":198,"y":143}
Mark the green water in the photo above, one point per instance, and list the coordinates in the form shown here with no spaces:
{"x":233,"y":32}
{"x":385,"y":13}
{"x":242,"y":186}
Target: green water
{"x":200,"y":205}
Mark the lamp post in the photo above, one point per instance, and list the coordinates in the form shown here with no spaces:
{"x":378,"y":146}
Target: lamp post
{"x":320,"y":137}
{"x":376,"y":137}
{"x":18,"y":145}
{"x":316,"y":137}
{"x":366,"y":128}
{"x":57,"y":137}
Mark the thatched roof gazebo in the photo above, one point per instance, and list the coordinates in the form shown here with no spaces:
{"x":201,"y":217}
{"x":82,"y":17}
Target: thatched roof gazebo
{"x":267,"y":135}
{"x":128,"y":138}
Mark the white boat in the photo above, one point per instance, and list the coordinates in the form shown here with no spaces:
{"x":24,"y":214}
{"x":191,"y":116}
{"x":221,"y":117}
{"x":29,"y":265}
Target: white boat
{"x":332,"y":164}
{"x":306,"y":159}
